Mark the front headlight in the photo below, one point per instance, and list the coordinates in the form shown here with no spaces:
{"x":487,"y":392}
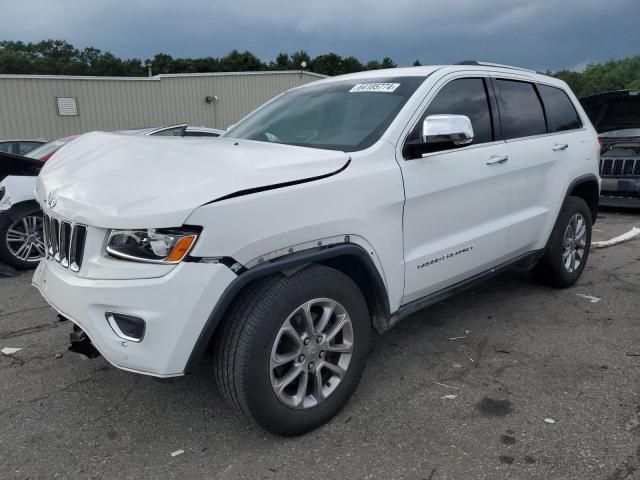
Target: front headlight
{"x":162,"y":245}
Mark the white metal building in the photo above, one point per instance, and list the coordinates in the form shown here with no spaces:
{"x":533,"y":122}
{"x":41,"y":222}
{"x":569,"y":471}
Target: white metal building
{"x":52,"y":106}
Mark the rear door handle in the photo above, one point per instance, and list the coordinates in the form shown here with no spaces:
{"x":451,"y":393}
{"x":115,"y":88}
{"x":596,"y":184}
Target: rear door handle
{"x":494,"y":159}
{"x":560,"y":146}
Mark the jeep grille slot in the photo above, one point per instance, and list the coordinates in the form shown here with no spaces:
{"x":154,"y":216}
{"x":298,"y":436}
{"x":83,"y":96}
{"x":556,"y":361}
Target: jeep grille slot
{"x":64,"y":242}
{"x":620,"y":167}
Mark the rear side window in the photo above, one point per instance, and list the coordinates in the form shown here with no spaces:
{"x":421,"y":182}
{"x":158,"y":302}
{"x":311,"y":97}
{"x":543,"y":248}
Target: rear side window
{"x":520,"y":109}
{"x":561,"y":114}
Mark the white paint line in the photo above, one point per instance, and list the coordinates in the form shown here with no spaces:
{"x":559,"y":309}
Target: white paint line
{"x":591,"y":298}
{"x":10,"y":350}
{"x":448,"y":386}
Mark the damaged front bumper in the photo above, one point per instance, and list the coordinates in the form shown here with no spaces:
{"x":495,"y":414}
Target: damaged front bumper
{"x":175,"y":308}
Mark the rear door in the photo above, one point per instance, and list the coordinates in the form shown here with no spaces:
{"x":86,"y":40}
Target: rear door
{"x":541,"y":128}
{"x":456,"y":208}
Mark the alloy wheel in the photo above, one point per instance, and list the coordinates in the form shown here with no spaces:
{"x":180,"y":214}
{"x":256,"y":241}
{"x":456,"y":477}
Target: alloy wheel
{"x":311,"y":353}
{"x":25,"y":239}
{"x":574,"y":243}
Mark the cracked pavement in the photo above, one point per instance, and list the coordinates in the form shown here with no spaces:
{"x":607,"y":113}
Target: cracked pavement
{"x":528,"y":353}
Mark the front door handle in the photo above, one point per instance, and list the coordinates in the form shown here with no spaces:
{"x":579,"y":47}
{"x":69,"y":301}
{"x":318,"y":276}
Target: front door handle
{"x":494,"y":159}
{"x":560,"y":146}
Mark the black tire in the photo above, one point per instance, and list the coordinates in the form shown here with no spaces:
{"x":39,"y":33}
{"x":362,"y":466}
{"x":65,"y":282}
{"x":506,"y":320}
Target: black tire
{"x":6,"y":255}
{"x":550,"y":269}
{"x":242,"y":348}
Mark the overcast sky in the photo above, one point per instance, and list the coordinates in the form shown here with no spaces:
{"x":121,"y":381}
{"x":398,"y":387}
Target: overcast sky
{"x":540,"y":34}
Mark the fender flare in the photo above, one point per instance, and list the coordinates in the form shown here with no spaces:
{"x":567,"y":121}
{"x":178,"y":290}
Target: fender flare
{"x":583,"y":179}
{"x":289,"y":262}
{"x":19,"y":209}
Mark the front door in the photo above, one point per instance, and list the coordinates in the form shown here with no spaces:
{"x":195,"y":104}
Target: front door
{"x":456,"y":216}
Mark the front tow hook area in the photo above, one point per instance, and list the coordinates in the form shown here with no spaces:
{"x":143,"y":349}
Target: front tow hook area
{"x":80,"y":343}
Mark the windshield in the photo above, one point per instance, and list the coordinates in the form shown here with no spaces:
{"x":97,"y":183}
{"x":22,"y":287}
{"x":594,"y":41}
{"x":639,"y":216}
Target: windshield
{"x":46,"y":150}
{"x":347,"y":115}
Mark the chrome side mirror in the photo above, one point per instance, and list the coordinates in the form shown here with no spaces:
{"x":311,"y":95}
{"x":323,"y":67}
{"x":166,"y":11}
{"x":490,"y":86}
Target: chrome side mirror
{"x":452,"y":129}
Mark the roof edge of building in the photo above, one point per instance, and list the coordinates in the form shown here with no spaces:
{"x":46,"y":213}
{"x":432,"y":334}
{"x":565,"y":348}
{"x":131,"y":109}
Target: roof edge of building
{"x":158,"y":77}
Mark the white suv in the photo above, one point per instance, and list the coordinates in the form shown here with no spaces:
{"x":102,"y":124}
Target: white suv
{"x":328,"y":214}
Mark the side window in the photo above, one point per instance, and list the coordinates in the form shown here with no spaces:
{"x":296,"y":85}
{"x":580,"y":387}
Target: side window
{"x":521,"y":112}
{"x":26,"y":147}
{"x":561,"y":114}
{"x":465,"y":96}
{"x":6,"y":147}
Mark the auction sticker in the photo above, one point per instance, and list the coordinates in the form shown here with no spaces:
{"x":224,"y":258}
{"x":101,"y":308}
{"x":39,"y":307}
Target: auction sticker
{"x":375,"y":87}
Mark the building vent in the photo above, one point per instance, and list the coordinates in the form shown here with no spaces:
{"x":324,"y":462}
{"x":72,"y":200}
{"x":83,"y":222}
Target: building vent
{"x":67,"y":106}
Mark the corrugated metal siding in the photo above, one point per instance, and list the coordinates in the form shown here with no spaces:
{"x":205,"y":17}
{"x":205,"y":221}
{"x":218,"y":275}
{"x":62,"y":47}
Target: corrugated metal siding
{"x":28,"y":103}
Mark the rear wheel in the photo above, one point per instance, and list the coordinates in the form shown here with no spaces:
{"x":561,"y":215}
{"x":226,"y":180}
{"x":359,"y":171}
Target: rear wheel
{"x":292,"y":350}
{"x":569,"y":245}
{"x":22,"y":240}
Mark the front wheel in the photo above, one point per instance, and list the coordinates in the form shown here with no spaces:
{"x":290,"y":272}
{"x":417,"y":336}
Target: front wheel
{"x":569,"y":246}
{"x":293,"y":348}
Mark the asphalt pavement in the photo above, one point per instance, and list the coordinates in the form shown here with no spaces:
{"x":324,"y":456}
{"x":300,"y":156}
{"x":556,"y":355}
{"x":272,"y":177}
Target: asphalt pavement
{"x":510,"y":380}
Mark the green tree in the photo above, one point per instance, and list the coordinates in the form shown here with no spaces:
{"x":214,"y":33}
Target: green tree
{"x":56,"y":57}
{"x":328,"y":64}
{"x":162,"y":63}
{"x":603,"y":77}
{"x":297,"y":58}
{"x":60,"y":57}
{"x":283,"y":62}
{"x":351,"y":65}
{"x":15,"y":62}
{"x":236,"y":61}
{"x":373,"y":65}
{"x":387,"y":63}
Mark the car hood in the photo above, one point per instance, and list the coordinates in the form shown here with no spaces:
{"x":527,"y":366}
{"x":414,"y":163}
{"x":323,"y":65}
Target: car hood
{"x":612,"y":111}
{"x":117,"y":181}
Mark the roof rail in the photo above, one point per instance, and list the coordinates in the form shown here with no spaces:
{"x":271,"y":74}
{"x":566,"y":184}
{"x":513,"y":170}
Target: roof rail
{"x":489,"y":64}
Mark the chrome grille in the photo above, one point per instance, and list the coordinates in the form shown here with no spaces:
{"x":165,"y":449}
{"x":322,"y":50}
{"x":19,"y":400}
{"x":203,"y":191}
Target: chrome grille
{"x":64,"y":242}
{"x":619,"y":167}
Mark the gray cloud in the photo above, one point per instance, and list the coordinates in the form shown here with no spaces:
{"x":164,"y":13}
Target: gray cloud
{"x":544,"y":34}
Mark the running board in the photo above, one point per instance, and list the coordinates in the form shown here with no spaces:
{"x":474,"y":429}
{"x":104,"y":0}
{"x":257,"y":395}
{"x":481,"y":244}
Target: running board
{"x":527,"y":259}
